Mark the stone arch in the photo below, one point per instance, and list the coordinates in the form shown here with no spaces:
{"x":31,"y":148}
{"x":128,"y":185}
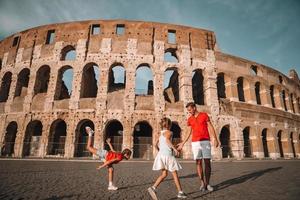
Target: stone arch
{"x":64,"y":83}
{"x":82,"y":137}
{"x":257,"y":93}
{"x":116,"y":77}
{"x":279,"y":139}
{"x":0,"y":64}
{"x":32,"y":139}
{"x":5,"y":86}
{"x":171,"y":85}
{"x":264,"y":137}
{"x":142,"y":140}
{"x":197,"y":87}
{"x":240,"y":89}
{"x":22,"y":83}
{"x":253,"y":70}
{"x":144,"y":80}
{"x":114,"y":131}
{"x":9,"y":139}
{"x":221,"y":89}
{"x":171,"y":55}
{"x":90,"y":81}
{"x":225,"y":142}
{"x":42,"y":80}
{"x":57,"y":138}
{"x":247,"y":142}
{"x":68,"y":53}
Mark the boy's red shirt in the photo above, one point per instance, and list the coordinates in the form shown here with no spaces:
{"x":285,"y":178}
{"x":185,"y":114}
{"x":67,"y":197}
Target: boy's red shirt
{"x":199,"y":127}
{"x":114,"y":155}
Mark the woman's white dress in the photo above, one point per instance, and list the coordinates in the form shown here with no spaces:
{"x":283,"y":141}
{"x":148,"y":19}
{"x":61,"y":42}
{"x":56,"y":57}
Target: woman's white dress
{"x":165,"y":158}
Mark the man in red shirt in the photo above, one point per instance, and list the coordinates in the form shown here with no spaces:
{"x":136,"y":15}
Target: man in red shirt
{"x":201,"y":130}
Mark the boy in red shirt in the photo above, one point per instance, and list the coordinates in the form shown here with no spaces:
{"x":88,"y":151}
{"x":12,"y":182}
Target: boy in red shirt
{"x":201,"y":130}
{"x":108,"y":157}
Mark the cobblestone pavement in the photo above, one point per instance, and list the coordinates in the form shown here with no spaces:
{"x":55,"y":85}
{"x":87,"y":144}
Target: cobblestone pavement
{"x":30,"y":179}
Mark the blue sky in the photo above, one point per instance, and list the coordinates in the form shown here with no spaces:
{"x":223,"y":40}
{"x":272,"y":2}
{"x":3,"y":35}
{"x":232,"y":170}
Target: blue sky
{"x":265,"y":31}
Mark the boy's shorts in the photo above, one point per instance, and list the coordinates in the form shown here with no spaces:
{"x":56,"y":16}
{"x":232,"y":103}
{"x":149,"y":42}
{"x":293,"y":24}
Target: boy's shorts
{"x":101,"y":153}
{"x":201,"y":149}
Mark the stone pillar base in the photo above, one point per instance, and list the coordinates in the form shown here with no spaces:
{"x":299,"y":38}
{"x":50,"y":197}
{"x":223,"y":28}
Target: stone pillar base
{"x":258,"y":154}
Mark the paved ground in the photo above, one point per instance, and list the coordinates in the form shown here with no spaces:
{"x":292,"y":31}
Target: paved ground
{"x":23,"y":179}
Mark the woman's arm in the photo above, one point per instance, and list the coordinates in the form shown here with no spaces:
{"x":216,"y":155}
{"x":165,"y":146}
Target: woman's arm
{"x":212,"y":132}
{"x":180,"y":145}
{"x":106,"y":163}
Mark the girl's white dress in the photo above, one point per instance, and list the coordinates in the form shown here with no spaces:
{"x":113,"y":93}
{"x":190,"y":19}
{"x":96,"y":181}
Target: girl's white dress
{"x":164,"y":158}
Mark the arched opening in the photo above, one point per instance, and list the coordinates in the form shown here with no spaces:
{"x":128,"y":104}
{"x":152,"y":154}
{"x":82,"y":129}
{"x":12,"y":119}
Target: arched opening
{"x":42,"y":80}
{"x":32,"y":138}
{"x":143,"y":80}
{"x":9,"y":140}
{"x":90,"y":80}
{"x":197,"y":87}
{"x":57,"y":138}
{"x":82,"y":138}
{"x":225,"y":142}
{"x":265,"y":142}
{"x":257,"y":93}
{"x":247,"y":144}
{"x":171,"y":85}
{"x":142,"y":140}
{"x":176,"y":130}
{"x":293,"y":144}
{"x":114,"y":131}
{"x":68,"y":53}
{"x":5,"y":86}
{"x":279,"y":137}
{"x":0,"y":64}
{"x":116,"y":77}
{"x":253,"y":70}
{"x":272,"y":95}
{"x":240,"y":88}
{"x":170,"y":55}
{"x":64,"y":83}
{"x":22,"y":83}
{"x":283,"y":99}
{"x":221,"y":86}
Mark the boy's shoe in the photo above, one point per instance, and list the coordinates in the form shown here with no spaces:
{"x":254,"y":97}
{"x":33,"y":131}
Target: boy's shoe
{"x":181,"y":195}
{"x":152,"y":193}
{"x":112,"y":187}
{"x":210,"y":188}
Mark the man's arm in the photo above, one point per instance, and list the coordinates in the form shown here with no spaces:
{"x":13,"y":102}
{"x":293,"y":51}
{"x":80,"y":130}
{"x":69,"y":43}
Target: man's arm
{"x":212,"y":132}
{"x":180,"y":145}
{"x":109,"y":144}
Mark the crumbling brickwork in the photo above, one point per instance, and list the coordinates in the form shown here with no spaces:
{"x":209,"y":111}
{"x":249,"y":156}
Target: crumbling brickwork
{"x":43,"y":111}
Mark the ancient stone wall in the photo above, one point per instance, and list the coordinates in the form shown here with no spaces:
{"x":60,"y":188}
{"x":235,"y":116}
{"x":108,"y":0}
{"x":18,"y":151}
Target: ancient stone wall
{"x":255,"y":109}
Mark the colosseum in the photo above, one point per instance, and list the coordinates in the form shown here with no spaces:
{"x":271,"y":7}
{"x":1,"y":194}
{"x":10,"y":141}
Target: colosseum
{"x":121,"y":77}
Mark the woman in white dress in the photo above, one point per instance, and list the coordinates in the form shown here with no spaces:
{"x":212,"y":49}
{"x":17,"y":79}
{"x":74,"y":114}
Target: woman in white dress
{"x":165,"y":160}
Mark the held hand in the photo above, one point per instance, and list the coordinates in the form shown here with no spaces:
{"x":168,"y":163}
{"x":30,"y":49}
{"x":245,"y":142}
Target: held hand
{"x":217,"y":143}
{"x":100,"y":167}
{"x":108,"y":140}
{"x":176,"y":152}
{"x":179,"y":146}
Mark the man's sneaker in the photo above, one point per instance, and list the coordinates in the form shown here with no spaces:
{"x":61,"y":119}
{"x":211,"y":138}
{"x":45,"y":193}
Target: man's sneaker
{"x":181,"y":195}
{"x":209,"y":188}
{"x":152,"y":193}
{"x":112,"y":187}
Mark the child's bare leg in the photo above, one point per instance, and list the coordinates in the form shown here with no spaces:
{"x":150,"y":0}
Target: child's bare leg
{"x":176,"y":180}
{"x":110,"y":174}
{"x":163,"y":175}
{"x":89,"y":145}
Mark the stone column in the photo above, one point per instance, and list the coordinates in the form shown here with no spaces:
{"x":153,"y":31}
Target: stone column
{"x":11,"y":93}
{"x":49,"y":101}
{"x":70,"y":136}
{"x":265,"y":96}
{"x":296,"y":107}
{"x":231,"y":88}
{"x":30,"y":91}
{"x":76,"y":83}
{"x":272,"y":143}
{"x":278,"y":99}
{"x":256,"y":141}
{"x":286,"y":143}
{"x":288,"y":102}
{"x":45,"y":137}
{"x":249,"y":91}
{"x":129,"y":94}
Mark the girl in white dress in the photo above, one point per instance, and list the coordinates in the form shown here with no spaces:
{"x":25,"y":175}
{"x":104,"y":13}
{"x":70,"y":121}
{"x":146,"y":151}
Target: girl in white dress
{"x":165,"y":160}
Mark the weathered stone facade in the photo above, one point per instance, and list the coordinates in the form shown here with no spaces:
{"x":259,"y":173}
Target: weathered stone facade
{"x":255,"y":109}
